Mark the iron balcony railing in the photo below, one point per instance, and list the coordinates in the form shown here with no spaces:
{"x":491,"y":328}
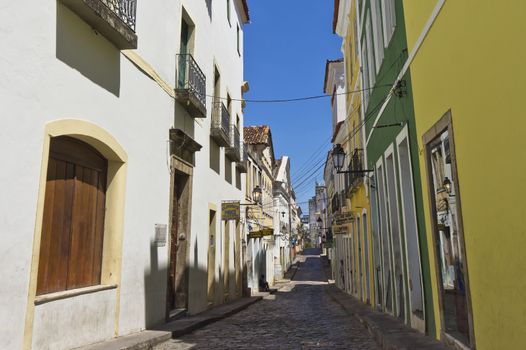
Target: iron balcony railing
{"x":191,"y":85}
{"x":233,"y":151}
{"x":125,"y":9}
{"x":242,"y":164}
{"x":335,"y":203}
{"x":356,"y":165}
{"x":220,"y":124}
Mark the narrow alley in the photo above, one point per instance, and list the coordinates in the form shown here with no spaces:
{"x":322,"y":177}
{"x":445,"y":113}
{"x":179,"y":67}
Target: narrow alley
{"x":301,"y":316}
{"x":244,"y":174}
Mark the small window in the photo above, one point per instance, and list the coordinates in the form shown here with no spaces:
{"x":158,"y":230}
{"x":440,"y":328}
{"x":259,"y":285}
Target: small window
{"x":389,"y":20}
{"x":377,"y":34}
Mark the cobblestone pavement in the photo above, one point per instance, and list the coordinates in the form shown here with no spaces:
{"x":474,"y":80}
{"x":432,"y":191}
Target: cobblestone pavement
{"x":301,"y":316}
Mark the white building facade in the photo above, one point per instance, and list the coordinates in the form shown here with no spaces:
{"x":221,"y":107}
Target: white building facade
{"x":116,"y":175}
{"x":285,"y":216}
{"x":260,"y":219}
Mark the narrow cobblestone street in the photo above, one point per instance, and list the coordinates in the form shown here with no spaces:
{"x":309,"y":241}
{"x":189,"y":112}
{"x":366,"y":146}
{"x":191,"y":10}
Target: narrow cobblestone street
{"x":301,"y":316}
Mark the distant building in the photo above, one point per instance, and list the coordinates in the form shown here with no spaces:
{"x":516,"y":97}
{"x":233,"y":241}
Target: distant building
{"x":318,"y":219}
{"x":261,"y":162}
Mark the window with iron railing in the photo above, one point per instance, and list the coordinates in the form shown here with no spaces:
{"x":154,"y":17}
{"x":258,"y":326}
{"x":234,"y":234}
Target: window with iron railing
{"x":233,"y":151}
{"x":220,"y":123}
{"x":124,"y":9}
{"x":114,"y":19}
{"x":356,"y":165}
{"x":191,"y":82}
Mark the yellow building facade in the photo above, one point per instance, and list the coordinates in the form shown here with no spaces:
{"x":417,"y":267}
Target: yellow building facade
{"x":466,"y":61}
{"x":345,"y":25}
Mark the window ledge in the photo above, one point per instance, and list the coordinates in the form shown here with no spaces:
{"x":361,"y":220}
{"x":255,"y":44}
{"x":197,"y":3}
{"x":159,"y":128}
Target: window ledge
{"x":46,"y":298}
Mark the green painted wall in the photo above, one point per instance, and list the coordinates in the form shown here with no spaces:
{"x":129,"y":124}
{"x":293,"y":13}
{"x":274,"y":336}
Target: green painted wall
{"x":399,"y":110}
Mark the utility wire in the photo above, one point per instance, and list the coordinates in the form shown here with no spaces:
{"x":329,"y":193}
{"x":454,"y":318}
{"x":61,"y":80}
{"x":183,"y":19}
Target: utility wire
{"x":313,"y":155}
{"x":370,"y":114}
{"x":285,"y":100}
{"x":308,"y":171}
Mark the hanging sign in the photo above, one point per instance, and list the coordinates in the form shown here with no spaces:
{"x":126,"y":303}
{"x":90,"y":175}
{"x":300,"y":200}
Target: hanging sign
{"x":230,"y":211}
{"x":340,"y":230}
{"x":261,"y":233}
{"x":343,"y":218}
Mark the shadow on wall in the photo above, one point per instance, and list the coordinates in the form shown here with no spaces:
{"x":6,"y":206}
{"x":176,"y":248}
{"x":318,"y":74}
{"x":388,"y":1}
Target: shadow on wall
{"x":215,"y":156}
{"x":86,"y":51}
{"x":156,"y":289}
{"x":183,"y":121}
{"x":155,"y":283}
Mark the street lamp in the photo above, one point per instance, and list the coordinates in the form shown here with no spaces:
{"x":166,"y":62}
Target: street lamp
{"x":256,"y":194}
{"x":256,"y":197}
{"x":447,"y":185}
{"x":338,"y":160}
{"x":338,"y":157}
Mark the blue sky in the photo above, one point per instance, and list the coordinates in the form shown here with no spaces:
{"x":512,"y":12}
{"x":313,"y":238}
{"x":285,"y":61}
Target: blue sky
{"x":286,"y":46}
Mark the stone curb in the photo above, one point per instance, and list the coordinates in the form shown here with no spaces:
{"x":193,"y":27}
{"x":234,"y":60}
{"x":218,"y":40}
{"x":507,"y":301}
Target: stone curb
{"x":137,"y":341}
{"x":389,"y":333}
{"x":147,"y":339}
{"x":189,"y":324}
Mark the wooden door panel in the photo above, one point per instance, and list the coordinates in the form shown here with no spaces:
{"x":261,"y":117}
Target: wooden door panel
{"x":73,"y":218}
{"x":99,"y":228}
{"x":47,"y":223}
{"x":56,"y":226}
{"x":84,"y":231}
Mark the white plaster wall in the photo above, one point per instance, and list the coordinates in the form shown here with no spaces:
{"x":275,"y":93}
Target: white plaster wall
{"x":70,"y":323}
{"x":55,"y":66}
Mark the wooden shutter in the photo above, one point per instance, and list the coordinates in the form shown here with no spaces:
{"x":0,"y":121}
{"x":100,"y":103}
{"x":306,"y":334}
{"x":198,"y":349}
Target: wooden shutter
{"x":73,"y":222}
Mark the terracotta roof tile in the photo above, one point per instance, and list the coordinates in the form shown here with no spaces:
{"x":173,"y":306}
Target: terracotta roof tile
{"x":259,"y":134}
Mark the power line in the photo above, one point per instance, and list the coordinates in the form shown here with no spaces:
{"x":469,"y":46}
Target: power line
{"x":313,"y":155}
{"x":308,"y":171}
{"x":366,"y":119}
{"x":285,"y":100}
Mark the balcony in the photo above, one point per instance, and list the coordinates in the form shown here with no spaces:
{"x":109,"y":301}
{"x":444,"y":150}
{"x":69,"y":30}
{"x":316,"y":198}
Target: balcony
{"x":220,"y":130}
{"x":243,"y":162}
{"x":115,"y":19}
{"x":356,"y":164}
{"x":335,"y":203}
{"x":233,"y":150}
{"x":190,"y":88}
{"x":343,"y":199}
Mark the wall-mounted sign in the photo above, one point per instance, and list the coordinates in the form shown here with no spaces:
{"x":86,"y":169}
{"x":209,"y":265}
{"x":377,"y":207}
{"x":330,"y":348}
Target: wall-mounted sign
{"x":230,"y":211}
{"x":160,"y":235}
{"x":261,"y":233}
{"x":343,"y":218}
{"x":340,"y":230}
